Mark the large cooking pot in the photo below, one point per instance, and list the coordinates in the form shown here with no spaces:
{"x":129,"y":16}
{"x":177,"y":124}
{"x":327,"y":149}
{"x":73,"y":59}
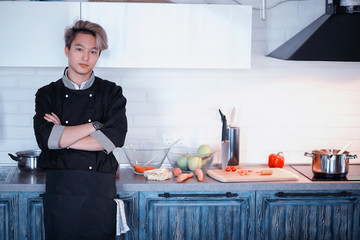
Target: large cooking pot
{"x":327,"y":163}
{"x":27,"y":160}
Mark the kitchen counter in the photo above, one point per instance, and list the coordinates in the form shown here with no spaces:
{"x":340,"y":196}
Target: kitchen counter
{"x":155,"y":209}
{"x":22,"y":181}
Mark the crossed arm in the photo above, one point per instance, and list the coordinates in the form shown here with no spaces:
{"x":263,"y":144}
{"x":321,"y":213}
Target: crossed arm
{"x":76,"y":137}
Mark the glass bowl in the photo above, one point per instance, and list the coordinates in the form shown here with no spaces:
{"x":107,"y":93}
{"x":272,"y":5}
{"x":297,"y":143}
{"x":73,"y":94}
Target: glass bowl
{"x":182,"y":159}
{"x":144,"y":157}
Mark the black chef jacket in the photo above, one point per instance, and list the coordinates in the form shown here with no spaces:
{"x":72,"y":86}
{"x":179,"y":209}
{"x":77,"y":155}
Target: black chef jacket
{"x":80,"y":185}
{"x":102,"y":101}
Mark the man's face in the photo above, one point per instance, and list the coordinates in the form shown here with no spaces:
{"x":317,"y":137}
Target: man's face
{"x":82,"y":55}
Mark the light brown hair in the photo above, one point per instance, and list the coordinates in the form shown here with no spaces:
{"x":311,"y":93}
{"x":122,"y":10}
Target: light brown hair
{"x":86,"y":27}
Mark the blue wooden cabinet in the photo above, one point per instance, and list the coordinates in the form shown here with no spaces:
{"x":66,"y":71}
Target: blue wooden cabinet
{"x":131,"y":209}
{"x":203,"y":215}
{"x":307,"y":215}
{"x":208,"y":215}
{"x":9,"y":216}
{"x":31,"y":215}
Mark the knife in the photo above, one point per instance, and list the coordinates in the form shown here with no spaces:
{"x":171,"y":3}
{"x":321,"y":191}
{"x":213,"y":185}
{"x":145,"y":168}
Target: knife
{"x":224,"y":154}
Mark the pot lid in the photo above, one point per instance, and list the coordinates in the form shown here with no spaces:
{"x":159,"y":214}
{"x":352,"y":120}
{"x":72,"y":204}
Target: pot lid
{"x":28,"y":153}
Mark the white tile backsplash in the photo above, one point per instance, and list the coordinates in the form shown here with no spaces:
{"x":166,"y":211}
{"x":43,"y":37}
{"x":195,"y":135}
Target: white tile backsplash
{"x":286,"y":106}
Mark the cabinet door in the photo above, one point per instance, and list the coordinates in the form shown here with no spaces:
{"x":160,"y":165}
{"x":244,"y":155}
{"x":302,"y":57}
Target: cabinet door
{"x":190,"y":215}
{"x":307,"y":215}
{"x":130,"y":200}
{"x":9,"y":216}
{"x":154,"y":35}
{"x":32,"y":33}
{"x":31,"y":216}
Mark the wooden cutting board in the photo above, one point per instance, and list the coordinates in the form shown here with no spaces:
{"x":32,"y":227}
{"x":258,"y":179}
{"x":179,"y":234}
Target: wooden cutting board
{"x":278,"y":175}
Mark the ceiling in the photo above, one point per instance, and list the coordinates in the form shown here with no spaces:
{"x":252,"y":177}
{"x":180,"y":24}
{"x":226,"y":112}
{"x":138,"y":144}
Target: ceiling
{"x":179,"y":1}
{"x":206,"y":1}
{"x":224,"y":2}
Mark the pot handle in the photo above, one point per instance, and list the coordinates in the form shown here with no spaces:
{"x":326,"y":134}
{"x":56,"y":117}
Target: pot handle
{"x":13,"y":157}
{"x":307,"y":154}
{"x":351,"y":156}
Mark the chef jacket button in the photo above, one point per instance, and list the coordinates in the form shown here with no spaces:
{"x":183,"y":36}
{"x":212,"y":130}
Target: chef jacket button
{"x":90,"y":95}
{"x":89,"y":120}
{"x":90,"y":167}
{"x":66,"y":96}
{"x":66,"y":121}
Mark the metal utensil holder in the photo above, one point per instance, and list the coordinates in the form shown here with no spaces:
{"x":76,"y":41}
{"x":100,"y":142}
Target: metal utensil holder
{"x":234,"y":146}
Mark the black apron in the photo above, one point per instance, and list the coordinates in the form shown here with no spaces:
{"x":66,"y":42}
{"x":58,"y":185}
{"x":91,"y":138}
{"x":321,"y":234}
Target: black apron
{"x":80,"y":205}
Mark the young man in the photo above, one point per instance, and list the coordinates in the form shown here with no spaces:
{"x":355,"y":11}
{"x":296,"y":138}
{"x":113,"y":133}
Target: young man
{"x":80,"y":119}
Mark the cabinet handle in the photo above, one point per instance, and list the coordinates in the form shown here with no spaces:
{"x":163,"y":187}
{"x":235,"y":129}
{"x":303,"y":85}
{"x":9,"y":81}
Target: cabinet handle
{"x":171,"y":195}
{"x":43,"y":194}
{"x":318,"y":194}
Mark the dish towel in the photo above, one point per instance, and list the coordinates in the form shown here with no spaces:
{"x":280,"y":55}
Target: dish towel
{"x":121,"y":226}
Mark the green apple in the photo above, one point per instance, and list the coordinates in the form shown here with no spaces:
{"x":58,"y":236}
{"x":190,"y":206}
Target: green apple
{"x":194,"y":163}
{"x":204,"y":150}
{"x":182,"y":162}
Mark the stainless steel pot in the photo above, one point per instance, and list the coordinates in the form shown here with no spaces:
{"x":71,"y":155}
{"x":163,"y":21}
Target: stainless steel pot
{"x":327,"y":163}
{"x":27,"y":160}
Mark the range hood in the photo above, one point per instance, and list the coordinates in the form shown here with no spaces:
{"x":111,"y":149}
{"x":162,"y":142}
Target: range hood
{"x":335,"y":36}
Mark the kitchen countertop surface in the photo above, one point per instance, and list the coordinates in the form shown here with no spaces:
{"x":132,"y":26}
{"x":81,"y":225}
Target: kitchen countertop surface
{"x":22,"y":181}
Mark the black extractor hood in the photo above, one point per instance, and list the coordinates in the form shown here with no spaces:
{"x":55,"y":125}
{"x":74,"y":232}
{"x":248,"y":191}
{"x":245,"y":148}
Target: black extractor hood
{"x":335,"y":36}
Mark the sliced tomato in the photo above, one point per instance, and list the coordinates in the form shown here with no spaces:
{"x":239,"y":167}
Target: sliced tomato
{"x":266,"y":172}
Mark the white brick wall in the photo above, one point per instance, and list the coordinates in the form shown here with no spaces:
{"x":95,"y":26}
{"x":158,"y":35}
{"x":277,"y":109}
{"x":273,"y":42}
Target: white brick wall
{"x":281,"y":105}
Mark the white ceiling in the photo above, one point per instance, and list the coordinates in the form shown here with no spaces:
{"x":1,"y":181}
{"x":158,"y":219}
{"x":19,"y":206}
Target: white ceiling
{"x":246,"y":2}
{"x":226,"y":2}
{"x":254,"y":3}
{"x":206,"y":1}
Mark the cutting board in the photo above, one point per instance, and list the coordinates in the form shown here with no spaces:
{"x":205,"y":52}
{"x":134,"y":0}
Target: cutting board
{"x":278,"y":175}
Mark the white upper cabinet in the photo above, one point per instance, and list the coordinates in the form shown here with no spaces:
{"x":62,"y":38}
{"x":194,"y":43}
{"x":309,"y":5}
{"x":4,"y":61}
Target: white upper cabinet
{"x":32,"y":33}
{"x":144,"y":35}
{"x":141,"y":35}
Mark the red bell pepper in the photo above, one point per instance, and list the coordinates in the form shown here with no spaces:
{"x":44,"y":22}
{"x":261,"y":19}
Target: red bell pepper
{"x":276,"y":160}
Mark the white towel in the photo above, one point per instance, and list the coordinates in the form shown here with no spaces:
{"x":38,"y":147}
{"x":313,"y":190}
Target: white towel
{"x":121,"y":226}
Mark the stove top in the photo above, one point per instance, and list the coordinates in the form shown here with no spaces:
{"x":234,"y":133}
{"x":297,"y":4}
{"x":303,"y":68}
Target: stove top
{"x":305,"y":169}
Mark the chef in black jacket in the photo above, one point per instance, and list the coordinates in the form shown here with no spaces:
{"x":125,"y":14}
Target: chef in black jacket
{"x":80,"y":119}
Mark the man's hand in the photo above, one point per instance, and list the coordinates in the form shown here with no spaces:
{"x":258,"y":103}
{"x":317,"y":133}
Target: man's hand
{"x":53,"y":118}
